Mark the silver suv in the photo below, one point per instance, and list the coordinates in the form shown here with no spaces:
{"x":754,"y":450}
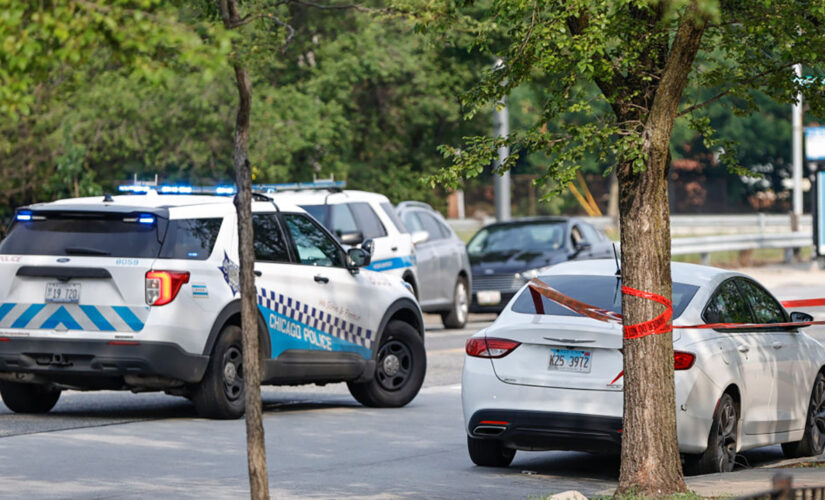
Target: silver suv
{"x":443,"y":264}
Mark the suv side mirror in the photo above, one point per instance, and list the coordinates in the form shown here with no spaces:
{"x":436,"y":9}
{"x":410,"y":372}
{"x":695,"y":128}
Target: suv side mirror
{"x":580,"y":247}
{"x":353,"y":238}
{"x":420,"y":237}
{"x":801,"y":317}
{"x":369,"y":246}
{"x":357,"y":257}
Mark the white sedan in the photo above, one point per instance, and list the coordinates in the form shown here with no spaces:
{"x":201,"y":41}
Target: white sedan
{"x":552,"y":381}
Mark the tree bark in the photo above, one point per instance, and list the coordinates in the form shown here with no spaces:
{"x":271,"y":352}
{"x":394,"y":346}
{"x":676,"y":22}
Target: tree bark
{"x":650,"y":455}
{"x":255,"y":443}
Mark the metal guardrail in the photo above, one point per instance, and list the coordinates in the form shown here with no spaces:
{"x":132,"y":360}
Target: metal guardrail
{"x":782,"y":489}
{"x":706,"y":245}
{"x":684,"y":225}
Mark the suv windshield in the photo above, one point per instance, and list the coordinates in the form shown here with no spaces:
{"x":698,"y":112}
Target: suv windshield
{"x":507,"y":238}
{"x":87,"y":234}
{"x":604,"y":292}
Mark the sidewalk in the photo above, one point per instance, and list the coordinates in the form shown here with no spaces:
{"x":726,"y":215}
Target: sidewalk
{"x":803,"y":274}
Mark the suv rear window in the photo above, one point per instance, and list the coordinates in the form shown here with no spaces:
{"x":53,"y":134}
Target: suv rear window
{"x":87,"y":234}
{"x":191,"y":239}
{"x":604,"y":292}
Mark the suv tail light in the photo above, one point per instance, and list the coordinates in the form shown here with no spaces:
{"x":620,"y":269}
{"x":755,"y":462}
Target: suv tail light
{"x":683,"y":360}
{"x":482,"y":347}
{"x":163,"y":286}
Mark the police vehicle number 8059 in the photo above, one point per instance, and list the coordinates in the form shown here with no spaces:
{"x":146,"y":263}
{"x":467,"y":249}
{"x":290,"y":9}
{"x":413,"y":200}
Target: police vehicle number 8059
{"x":140,"y":292}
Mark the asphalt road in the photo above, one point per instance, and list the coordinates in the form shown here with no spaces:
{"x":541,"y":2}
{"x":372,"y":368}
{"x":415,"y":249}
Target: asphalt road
{"x":320,"y":444}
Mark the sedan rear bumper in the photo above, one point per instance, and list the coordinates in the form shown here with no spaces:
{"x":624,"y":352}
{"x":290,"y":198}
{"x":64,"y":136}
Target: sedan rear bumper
{"x":538,"y":430}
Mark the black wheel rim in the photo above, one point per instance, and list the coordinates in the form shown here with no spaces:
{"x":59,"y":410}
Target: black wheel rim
{"x":816,"y":418}
{"x":232,"y":367}
{"x":395,"y":364}
{"x":726,"y":436}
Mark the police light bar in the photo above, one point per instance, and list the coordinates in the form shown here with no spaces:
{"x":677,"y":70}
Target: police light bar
{"x":299,"y":186}
{"x":177,"y":189}
{"x":228,"y":190}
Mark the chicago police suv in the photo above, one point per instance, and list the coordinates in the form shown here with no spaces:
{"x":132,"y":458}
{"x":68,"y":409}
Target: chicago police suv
{"x":140,"y":292}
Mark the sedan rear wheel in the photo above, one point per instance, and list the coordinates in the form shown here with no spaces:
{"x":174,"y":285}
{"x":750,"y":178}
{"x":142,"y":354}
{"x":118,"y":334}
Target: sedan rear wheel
{"x":813,"y":441}
{"x":720,"y":456}
{"x":489,"y":452}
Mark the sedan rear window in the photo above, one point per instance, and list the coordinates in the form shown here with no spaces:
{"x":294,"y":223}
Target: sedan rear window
{"x":604,"y":292}
{"x":87,"y":234}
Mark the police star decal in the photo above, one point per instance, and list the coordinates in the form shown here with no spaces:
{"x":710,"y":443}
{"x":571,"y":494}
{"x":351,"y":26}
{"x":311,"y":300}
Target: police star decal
{"x":231,"y":274}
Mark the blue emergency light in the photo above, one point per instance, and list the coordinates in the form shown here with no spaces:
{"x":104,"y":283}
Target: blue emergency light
{"x":24,"y":216}
{"x":146,"y":219}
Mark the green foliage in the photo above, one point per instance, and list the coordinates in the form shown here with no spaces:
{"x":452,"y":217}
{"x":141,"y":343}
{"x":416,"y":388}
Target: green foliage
{"x":565,"y":49}
{"x":42,"y":42}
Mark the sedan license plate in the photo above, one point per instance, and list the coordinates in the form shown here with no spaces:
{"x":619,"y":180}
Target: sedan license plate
{"x":569,"y":360}
{"x":488,"y":297}
{"x":66,"y":293}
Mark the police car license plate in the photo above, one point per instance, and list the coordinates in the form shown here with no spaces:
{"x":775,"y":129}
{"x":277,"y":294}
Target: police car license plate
{"x":488,"y":297}
{"x":569,"y":360}
{"x":66,"y":293}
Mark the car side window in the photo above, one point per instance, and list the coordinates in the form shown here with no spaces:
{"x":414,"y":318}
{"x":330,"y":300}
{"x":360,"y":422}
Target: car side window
{"x":431,"y":225}
{"x":313,"y":245}
{"x":341,"y":220}
{"x":589,"y":233}
{"x":269,"y":242}
{"x":765,"y":308}
{"x":369,"y":223}
{"x":387,"y":208}
{"x":576,"y":236}
{"x":412,"y":222}
{"x":727,"y":306}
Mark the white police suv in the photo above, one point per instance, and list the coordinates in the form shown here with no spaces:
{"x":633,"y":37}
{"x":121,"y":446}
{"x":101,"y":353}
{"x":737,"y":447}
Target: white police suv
{"x":358,"y":217}
{"x":140,"y":292}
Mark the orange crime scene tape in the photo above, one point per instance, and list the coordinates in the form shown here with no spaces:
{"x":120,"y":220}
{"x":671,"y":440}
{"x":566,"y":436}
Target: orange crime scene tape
{"x":661,"y":323}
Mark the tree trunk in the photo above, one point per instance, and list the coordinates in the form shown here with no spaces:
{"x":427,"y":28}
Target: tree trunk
{"x":255,"y":444}
{"x":650,"y":453}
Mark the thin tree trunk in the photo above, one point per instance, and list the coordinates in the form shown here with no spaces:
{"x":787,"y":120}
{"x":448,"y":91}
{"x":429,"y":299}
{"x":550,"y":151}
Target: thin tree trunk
{"x":255,"y":443}
{"x":650,"y":454}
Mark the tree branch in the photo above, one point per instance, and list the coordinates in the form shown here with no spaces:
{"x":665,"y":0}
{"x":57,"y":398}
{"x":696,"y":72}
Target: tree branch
{"x":691,"y":109}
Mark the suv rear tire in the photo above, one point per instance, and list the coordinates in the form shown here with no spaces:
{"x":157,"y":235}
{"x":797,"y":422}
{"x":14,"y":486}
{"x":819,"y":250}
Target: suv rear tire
{"x":400,"y":366}
{"x":28,"y":398}
{"x":220,"y":394}
{"x":456,"y":317}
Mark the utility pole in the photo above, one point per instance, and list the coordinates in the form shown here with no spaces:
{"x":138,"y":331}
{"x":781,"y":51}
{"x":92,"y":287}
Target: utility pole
{"x":797,"y":157}
{"x":501,"y":183}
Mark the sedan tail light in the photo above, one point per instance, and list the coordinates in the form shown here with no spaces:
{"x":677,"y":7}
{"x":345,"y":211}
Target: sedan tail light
{"x":481,"y":347}
{"x":163,"y":286}
{"x":683,"y":360}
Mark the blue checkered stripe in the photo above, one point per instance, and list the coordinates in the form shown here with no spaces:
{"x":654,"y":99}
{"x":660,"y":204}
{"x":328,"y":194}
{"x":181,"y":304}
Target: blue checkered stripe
{"x":315,"y":318}
{"x":53,"y":316}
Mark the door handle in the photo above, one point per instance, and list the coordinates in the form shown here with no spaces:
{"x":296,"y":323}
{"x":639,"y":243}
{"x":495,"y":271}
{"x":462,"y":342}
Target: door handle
{"x":743,"y":348}
{"x":777,"y":345}
{"x":258,"y":273}
{"x":321,"y":279}
{"x":394,"y":249}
